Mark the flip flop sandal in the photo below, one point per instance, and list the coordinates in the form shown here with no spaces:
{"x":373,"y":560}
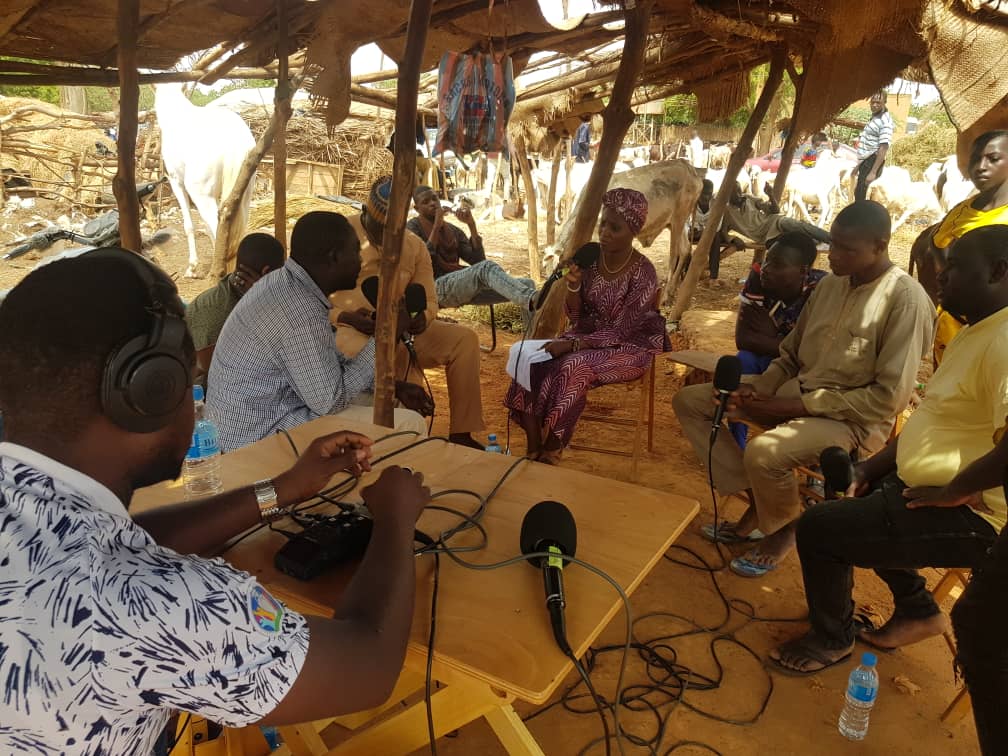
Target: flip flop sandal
{"x":864,"y":624}
{"x":744,"y":567}
{"x":727,"y":534}
{"x":811,"y":655}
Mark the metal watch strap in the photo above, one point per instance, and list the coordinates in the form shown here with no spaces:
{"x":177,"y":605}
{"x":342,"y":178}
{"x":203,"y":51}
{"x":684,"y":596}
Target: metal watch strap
{"x":266,"y":497}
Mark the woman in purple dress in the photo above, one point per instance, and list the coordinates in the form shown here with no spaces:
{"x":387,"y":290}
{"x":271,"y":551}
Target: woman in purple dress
{"x":615,"y":331}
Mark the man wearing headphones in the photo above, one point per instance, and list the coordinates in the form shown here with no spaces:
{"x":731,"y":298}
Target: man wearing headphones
{"x":107,"y":622}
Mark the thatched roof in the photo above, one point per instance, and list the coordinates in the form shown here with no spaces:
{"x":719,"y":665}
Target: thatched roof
{"x":849,"y":47}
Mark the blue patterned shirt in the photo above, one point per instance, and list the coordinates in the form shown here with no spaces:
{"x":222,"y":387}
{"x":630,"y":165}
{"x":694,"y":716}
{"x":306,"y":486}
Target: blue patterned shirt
{"x":276,"y":364}
{"x":103,"y":632}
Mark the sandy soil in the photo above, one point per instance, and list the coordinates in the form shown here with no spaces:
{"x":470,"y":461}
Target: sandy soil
{"x":800,"y":717}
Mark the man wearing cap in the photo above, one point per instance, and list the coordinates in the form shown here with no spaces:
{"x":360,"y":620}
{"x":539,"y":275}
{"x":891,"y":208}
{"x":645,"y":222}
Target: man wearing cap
{"x":458,"y":284}
{"x":436,"y":342}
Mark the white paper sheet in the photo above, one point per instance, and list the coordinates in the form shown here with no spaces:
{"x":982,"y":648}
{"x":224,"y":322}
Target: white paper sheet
{"x":520,"y":367}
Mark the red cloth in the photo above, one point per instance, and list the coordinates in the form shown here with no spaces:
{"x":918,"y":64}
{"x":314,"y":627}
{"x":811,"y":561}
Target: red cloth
{"x":631,"y":206}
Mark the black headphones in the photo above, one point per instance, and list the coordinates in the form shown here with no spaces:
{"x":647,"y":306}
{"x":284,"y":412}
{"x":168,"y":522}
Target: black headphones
{"x":147,"y":377}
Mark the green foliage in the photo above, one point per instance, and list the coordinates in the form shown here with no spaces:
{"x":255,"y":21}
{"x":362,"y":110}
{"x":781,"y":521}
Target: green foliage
{"x":681,"y":110}
{"x":932,"y":112}
{"x":917,"y":151}
{"x":202,"y":98}
{"x":46,"y":94}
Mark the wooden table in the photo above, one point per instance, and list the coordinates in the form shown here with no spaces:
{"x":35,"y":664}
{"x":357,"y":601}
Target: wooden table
{"x":493,"y":641}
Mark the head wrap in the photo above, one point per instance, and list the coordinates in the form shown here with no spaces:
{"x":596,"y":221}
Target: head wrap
{"x":378,"y":199}
{"x":630,"y":205}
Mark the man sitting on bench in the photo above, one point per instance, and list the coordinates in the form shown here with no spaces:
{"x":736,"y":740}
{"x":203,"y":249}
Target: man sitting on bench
{"x":459,"y":284}
{"x":845,"y":371}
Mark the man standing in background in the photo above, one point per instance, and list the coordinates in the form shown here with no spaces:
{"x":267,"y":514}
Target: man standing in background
{"x":873,"y":144}
{"x":581,"y":146}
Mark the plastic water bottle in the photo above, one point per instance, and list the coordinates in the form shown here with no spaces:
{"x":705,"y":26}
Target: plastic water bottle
{"x":862,"y":688}
{"x":493,"y":447}
{"x":201,"y":469}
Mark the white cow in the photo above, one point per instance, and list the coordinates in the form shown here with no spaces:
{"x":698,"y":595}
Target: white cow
{"x":672,"y":188}
{"x":579,"y":177}
{"x":905,"y":199}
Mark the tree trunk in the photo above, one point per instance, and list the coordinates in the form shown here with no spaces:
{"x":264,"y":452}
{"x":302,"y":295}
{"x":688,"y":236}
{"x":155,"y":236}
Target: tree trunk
{"x":124,"y":183}
{"x":684,"y":292}
{"x":616,"y":120}
{"x":73,"y":99}
{"x":551,"y":195}
{"x":791,"y":142}
{"x":531,"y":209}
{"x":403,"y":176}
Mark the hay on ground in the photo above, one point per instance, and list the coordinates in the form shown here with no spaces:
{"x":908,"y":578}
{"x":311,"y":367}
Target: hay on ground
{"x":917,"y":151}
{"x":261,"y":212}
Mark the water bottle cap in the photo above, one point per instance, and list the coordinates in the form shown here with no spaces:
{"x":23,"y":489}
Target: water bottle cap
{"x":492,"y":437}
{"x":869,"y":659}
{"x":197,"y":393}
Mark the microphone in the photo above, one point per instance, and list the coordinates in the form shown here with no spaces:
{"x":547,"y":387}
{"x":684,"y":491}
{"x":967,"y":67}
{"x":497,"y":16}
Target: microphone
{"x":837,"y":470}
{"x":369,"y":288}
{"x":549,"y":526}
{"x":727,"y":375}
{"x":416,"y":299}
{"x":586,"y":256}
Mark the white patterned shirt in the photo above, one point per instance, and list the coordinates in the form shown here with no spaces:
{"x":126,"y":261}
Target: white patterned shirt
{"x":103,"y":632}
{"x":878,"y":131}
{"x":276,"y":364}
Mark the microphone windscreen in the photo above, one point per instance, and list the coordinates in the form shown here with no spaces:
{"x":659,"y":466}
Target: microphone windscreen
{"x":369,"y":288}
{"x":416,"y":299}
{"x":548,"y":522}
{"x":837,"y":469}
{"x":728,"y":373}
{"x":587,"y":254}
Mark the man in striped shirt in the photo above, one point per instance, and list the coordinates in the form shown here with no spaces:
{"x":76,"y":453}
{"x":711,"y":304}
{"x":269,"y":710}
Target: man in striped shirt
{"x":873,"y":144}
{"x":276,"y":364}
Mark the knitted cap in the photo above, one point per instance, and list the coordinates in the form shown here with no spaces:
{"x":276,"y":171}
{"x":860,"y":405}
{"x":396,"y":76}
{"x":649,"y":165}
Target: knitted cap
{"x":378,"y":199}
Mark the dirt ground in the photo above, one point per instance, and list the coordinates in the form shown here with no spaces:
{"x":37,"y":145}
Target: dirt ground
{"x":801,"y":715}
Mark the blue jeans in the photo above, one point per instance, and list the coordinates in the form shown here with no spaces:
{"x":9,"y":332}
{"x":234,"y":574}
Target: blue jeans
{"x":752,"y":364}
{"x":461,"y":287}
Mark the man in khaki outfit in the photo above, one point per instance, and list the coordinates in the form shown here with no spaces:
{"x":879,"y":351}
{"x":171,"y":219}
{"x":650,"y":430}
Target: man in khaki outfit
{"x":436,"y":342}
{"x":844,"y":373}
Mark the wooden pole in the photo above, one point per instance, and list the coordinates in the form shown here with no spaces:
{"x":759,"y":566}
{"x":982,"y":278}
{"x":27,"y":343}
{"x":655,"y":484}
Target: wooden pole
{"x":531,"y":209}
{"x":684,"y":292}
{"x":791,"y":142}
{"x":551,"y":194}
{"x":568,"y":199}
{"x":124,"y":183}
{"x":616,"y":120}
{"x":403,"y":176}
{"x":281,"y":105}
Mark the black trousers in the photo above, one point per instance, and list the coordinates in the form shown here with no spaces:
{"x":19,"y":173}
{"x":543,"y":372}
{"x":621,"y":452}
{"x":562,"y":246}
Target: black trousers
{"x":878,"y":532}
{"x":979,"y":619}
{"x":864,"y":168}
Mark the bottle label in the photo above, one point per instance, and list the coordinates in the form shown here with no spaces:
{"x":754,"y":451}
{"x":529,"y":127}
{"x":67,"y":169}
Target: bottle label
{"x":204,"y":443}
{"x":862,"y":693}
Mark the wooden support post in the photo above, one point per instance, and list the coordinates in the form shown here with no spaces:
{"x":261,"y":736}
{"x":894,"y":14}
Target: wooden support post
{"x":531,"y":209}
{"x":568,"y":198}
{"x":281,"y":105}
{"x":551,"y":194}
{"x":684,"y":292}
{"x":617,"y":118}
{"x":791,"y":141}
{"x":124,"y":183}
{"x":403,"y":176}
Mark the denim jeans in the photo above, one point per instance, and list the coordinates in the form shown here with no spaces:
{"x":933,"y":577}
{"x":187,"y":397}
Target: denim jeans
{"x":979,"y":619}
{"x":461,"y":286}
{"x":878,"y":532}
{"x":864,"y":167}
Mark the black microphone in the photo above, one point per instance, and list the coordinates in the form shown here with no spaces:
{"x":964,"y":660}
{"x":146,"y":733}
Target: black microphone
{"x":369,"y":288}
{"x":549,"y":526}
{"x":837,"y":470}
{"x":416,"y":299}
{"x":586,"y":256}
{"x":727,"y":376}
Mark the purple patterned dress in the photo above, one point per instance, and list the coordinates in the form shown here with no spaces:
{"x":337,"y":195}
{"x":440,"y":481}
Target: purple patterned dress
{"x":619,"y":330}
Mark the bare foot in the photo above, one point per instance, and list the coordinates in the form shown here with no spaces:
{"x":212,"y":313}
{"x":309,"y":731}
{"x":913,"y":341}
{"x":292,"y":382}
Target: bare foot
{"x":778,"y":545}
{"x":902,"y":631}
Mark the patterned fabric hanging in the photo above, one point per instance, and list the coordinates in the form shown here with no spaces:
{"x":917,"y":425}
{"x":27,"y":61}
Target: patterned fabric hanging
{"x":475,"y":98}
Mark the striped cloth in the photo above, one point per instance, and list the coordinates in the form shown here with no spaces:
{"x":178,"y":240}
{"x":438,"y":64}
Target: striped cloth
{"x":878,"y":131}
{"x":276,"y":364}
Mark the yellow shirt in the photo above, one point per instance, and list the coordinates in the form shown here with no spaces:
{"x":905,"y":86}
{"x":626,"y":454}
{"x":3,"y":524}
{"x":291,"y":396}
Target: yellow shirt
{"x":414,"y":267}
{"x":966,"y":403}
{"x":960,"y":219}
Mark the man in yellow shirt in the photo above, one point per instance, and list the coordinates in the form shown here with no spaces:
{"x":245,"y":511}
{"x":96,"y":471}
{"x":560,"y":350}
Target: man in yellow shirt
{"x":436,"y":342}
{"x":932,"y":497}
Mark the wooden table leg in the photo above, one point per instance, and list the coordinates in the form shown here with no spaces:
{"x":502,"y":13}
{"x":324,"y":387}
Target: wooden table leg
{"x":453,"y":707}
{"x":512,"y":732}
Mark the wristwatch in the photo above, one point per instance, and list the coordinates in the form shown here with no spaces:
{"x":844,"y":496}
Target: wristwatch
{"x":266,"y":496}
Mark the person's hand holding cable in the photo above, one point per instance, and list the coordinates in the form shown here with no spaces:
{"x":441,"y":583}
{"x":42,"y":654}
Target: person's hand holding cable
{"x":343,"y":451}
